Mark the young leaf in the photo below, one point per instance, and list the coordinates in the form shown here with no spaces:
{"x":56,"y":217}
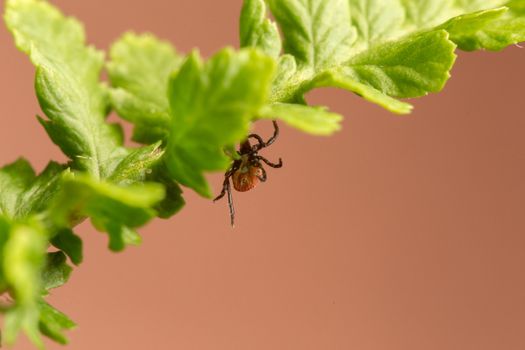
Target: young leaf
{"x":24,"y":193}
{"x":258,"y":31}
{"x":330,"y":50}
{"x":212,"y":105}
{"x":143,"y":164}
{"x":375,"y":21}
{"x":411,"y":67}
{"x":5,"y":228}
{"x":431,"y":13}
{"x":35,"y":199}
{"x":23,"y":259}
{"x":313,"y":120}
{"x":338,"y":78}
{"x":490,"y":29}
{"x":67,"y":84}
{"x":53,"y":323}
{"x":68,"y":242}
{"x":383,"y":50}
{"x":139,"y":70}
{"x":15,"y":178}
{"x":137,"y":165}
{"x":173,"y":201}
{"x":22,"y":319}
{"x":317,"y":32}
{"x":112,"y":209}
{"x":56,"y":272}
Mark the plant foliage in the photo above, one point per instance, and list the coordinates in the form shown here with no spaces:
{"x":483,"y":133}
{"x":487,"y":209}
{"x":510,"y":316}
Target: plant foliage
{"x":186,"y":111}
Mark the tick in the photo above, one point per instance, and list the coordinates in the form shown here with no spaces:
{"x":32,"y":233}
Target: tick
{"x":247,"y":171}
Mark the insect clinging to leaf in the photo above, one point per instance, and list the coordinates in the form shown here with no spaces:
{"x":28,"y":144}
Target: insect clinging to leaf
{"x":247,"y":171}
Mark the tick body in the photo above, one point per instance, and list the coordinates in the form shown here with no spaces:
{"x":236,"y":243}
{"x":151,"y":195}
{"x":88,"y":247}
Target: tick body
{"x":248,"y":171}
{"x":247,"y":176}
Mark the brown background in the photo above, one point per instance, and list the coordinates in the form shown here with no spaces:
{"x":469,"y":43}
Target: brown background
{"x":399,"y":233}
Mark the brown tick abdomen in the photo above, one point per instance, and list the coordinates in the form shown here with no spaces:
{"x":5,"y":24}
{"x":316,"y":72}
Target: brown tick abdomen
{"x":246,"y":178}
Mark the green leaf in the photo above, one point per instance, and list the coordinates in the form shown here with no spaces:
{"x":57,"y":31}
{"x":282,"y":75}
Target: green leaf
{"x":70,"y":244}
{"x":139,"y":70}
{"x":5,"y":228}
{"x":18,"y":319}
{"x":472,"y":24}
{"x":212,"y":105}
{"x":53,"y":323}
{"x":376,"y":21}
{"x":56,"y":271}
{"x":316,"y":32}
{"x":313,"y":120}
{"x":490,"y":29}
{"x":112,"y":209}
{"x":285,"y":77}
{"x":375,"y":57}
{"x":67,"y":84}
{"x":258,"y":31}
{"x":338,"y":78}
{"x":384,"y":49}
{"x":42,"y":189}
{"x":412,"y":67}
{"x":173,"y":202}
{"x":24,"y":193}
{"x":422,"y":14}
{"x":15,"y":178}
{"x":143,"y":164}
{"x":23,"y":260}
{"x":126,"y":236}
{"x":137,"y":165}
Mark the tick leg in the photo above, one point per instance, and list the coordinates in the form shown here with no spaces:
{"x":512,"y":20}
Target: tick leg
{"x":226,"y":189}
{"x":225,"y":186}
{"x":273,"y":165}
{"x":271,"y":140}
{"x":262,"y":177}
{"x":226,"y":183}
{"x":230,"y":204}
{"x":260,"y":141}
{"x":275,"y":134}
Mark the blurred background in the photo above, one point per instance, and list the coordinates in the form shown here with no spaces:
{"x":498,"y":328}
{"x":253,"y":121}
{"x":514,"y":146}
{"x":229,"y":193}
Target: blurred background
{"x":398,"y":233}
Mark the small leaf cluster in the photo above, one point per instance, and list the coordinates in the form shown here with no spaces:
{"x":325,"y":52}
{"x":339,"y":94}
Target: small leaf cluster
{"x":187,"y":110}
